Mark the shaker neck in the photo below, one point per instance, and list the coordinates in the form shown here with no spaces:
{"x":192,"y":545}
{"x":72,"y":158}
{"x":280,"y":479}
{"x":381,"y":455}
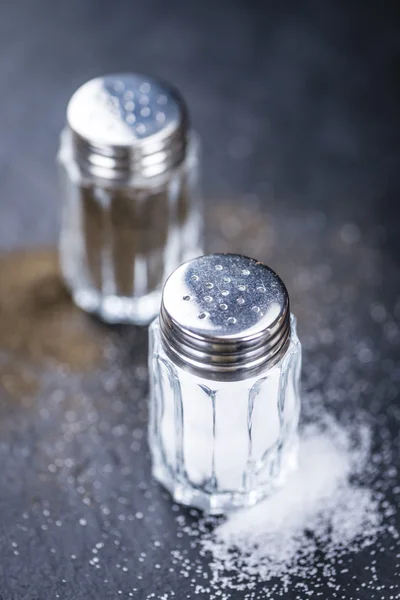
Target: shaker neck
{"x":121,"y":165}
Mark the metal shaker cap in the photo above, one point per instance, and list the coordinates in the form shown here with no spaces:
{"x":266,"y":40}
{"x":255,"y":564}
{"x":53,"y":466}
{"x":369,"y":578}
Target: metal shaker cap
{"x":225,"y":316}
{"x":126,"y":124}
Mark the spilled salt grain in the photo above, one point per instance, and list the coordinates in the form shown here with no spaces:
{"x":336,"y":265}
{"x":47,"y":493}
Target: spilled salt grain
{"x":320,"y":509}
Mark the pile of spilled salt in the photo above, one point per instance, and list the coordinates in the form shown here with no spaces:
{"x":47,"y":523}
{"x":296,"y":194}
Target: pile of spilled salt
{"x":319,"y":510}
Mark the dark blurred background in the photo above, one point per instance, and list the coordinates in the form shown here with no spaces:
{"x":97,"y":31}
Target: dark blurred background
{"x":295,"y":101}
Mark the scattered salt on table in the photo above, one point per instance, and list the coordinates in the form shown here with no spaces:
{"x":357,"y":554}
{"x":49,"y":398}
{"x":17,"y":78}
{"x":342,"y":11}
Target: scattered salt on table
{"x":319,"y":507}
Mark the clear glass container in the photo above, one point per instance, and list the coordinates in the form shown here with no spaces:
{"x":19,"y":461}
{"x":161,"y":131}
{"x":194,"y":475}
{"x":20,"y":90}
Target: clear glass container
{"x":132,"y":208}
{"x":225,"y":365}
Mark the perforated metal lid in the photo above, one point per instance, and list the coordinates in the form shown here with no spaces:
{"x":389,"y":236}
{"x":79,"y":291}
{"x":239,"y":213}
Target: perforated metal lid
{"x":126,"y":123}
{"x":224,"y":315}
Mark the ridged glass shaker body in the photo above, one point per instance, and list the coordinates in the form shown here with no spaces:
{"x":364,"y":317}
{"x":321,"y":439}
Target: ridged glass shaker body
{"x":224,"y":363}
{"x":132,"y":208}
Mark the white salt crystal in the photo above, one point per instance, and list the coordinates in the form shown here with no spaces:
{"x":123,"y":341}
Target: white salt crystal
{"x":318,"y":506}
{"x":321,"y":469}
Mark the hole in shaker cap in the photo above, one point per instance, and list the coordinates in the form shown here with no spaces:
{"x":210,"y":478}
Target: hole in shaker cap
{"x":119,"y":86}
{"x":187,"y":298}
{"x":203,"y":315}
{"x":145,"y":87}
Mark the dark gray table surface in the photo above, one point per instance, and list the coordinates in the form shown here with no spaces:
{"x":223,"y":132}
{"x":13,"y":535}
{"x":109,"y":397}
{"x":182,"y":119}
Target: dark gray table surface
{"x":297,"y":105}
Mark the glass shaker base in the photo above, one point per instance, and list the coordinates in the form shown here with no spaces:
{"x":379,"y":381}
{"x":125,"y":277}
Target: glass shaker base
{"x":118,"y":309}
{"x":217,"y":503}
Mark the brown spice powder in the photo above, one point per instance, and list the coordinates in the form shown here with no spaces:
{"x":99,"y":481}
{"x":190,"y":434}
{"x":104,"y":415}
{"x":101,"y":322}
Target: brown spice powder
{"x":38,"y":321}
{"x":18,"y":382}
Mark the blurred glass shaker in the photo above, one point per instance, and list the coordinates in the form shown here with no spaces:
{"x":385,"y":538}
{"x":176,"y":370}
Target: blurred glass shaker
{"x":132,"y":209}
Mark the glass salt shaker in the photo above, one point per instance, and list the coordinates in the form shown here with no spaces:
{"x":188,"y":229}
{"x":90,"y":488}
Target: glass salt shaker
{"x":132,"y":208}
{"x":224,"y":371}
